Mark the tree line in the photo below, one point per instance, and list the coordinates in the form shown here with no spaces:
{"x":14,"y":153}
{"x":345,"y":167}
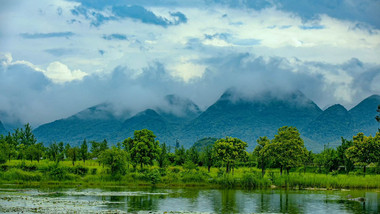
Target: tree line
{"x":285,"y":151}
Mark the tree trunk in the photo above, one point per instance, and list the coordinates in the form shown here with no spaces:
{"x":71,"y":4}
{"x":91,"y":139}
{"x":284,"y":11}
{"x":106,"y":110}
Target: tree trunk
{"x":364,"y":169}
{"x":73,"y":163}
{"x":227,"y":167}
{"x":287,"y":170}
{"x":141,"y":165}
{"x":281,"y":170}
{"x":208,"y":168}
{"x":262,"y":171}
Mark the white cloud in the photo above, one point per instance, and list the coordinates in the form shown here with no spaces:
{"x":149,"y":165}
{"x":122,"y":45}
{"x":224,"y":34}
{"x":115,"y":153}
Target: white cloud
{"x":60,"y":73}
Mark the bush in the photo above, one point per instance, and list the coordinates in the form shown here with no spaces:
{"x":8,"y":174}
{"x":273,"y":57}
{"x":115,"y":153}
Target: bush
{"x":17,"y":174}
{"x":152,"y":176}
{"x":4,"y":167}
{"x":57,"y":172}
{"x":79,"y":170}
{"x":253,"y":180}
{"x":93,"y":171}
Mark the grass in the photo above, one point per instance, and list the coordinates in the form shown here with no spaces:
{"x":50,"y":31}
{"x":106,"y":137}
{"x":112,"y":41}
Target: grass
{"x":92,"y":174}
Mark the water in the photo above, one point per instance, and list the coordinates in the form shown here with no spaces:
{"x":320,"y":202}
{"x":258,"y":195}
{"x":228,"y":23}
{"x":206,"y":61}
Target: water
{"x":143,"y":200}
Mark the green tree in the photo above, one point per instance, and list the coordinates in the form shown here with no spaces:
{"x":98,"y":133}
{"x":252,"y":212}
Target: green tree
{"x":73,"y":154}
{"x":329,"y":158}
{"x":342,"y":158}
{"x":162,"y":159}
{"x":229,"y":150}
{"x":5,"y":150}
{"x":207,"y":157}
{"x":365,"y":150}
{"x":84,"y":151}
{"x":262,"y":152}
{"x":192,"y":155}
{"x":287,"y":148}
{"x":61,"y":151}
{"x":95,"y":149}
{"x":9,"y":147}
{"x":66,"y":151}
{"x":143,"y":147}
{"x":27,"y":137}
{"x":179,"y":156}
{"x":115,"y":159}
{"x":378,"y":116}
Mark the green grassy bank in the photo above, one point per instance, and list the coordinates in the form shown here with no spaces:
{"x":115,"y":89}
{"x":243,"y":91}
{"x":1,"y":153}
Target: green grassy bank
{"x":92,"y":174}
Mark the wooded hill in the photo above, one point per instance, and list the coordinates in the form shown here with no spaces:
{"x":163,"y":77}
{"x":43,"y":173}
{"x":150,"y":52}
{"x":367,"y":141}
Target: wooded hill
{"x":233,"y":114}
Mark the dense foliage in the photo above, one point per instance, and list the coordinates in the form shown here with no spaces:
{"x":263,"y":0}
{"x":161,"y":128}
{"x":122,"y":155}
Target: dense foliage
{"x":158,"y":162}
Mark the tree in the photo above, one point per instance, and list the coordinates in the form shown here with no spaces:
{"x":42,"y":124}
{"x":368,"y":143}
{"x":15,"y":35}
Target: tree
{"x":27,"y":137}
{"x":162,"y":159}
{"x":378,"y":116}
{"x":61,"y":151}
{"x":143,"y":147}
{"x":179,"y":156}
{"x":262,"y":153}
{"x":115,"y":159}
{"x":229,"y":150}
{"x":207,"y":157}
{"x":287,"y":148}
{"x":95,"y":149}
{"x":329,"y":159}
{"x":84,"y":151}
{"x":365,"y":150}
{"x":341,"y":153}
{"x":192,"y":155}
{"x":73,"y":154}
{"x":66,"y":151}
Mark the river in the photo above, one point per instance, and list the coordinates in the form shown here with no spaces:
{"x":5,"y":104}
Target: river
{"x":16,"y":199}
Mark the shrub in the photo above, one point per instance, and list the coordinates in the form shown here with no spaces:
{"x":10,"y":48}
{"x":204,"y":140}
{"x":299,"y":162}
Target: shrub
{"x":4,"y":167}
{"x":17,"y":174}
{"x":79,"y":170}
{"x":93,"y":171}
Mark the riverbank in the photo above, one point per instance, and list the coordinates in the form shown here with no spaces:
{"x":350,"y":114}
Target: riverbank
{"x":91,"y":174}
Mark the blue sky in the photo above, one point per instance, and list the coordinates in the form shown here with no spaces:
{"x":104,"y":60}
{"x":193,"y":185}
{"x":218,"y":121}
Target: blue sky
{"x":61,"y":56}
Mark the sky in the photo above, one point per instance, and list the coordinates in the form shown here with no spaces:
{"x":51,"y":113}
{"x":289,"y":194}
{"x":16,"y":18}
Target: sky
{"x":58,"y":57}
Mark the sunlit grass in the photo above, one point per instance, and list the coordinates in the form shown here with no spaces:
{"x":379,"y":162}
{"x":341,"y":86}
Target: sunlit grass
{"x":91,"y":173}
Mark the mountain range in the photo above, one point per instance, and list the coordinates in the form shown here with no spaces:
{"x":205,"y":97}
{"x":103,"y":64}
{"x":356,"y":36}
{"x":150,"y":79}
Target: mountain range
{"x":233,"y":114}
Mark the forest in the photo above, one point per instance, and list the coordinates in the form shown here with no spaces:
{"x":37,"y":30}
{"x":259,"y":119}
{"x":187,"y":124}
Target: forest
{"x":282,"y":161}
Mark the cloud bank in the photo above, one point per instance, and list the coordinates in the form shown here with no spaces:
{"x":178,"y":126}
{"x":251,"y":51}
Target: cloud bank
{"x":73,"y":54}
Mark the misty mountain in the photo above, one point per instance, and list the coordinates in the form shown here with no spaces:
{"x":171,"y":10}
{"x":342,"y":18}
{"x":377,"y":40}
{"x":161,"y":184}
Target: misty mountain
{"x":148,"y":119}
{"x":234,"y":114}
{"x":249,"y":118}
{"x":178,"y":109}
{"x":364,"y":115}
{"x":101,"y":122}
{"x":333,"y":123}
{"x":2,"y":129}
{"x":95,"y":123}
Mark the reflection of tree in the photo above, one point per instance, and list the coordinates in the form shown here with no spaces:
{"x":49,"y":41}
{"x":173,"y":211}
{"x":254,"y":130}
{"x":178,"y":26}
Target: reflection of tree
{"x":264,"y":203}
{"x":229,"y":201}
{"x":289,"y":204}
{"x":136,"y":203}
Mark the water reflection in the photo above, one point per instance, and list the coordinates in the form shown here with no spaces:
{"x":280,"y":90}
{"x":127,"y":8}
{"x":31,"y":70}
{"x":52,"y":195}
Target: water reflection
{"x":216,"y":200}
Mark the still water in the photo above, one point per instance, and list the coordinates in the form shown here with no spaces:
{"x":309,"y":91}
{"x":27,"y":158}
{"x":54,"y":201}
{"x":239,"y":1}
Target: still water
{"x":142,"y":200}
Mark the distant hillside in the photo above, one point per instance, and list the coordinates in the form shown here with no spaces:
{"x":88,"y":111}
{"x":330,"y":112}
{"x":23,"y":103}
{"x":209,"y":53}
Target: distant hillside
{"x":2,"y":129}
{"x":233,"y":114}
{"x":364,"y":115}
{"x":249,"y":118}
{"x":333,"y":123}
{"x":95,"y":123}
{"x":204,"y":142}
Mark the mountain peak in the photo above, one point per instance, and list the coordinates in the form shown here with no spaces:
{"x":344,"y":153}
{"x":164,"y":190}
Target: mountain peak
{"x":338,"y":108}
{"x":177,"y":109}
